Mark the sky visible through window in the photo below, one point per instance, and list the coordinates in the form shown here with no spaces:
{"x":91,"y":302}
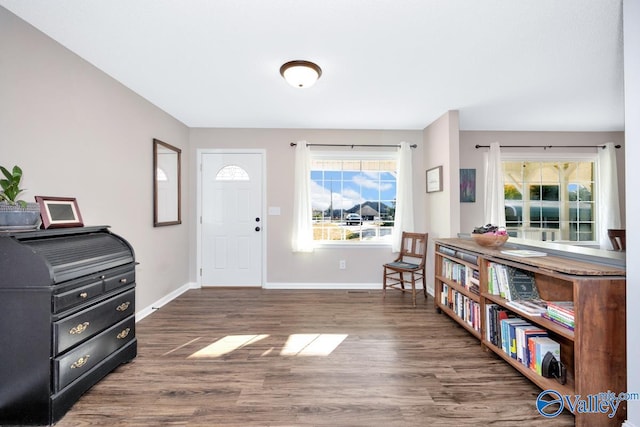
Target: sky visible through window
{"x":344,"y":185}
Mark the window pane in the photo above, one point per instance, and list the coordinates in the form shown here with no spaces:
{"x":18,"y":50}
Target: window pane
{"x":353,"y":199}
{"x":557,"y":202}
{"x":232,"y":173}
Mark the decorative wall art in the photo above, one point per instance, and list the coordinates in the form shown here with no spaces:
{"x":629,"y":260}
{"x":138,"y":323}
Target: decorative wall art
{"x":467,"y":185}
{"x":434,"y":179}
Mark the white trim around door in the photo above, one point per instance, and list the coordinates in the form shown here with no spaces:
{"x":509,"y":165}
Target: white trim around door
{"x":199,"y":207}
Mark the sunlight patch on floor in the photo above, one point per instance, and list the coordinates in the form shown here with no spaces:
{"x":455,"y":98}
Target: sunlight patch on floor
{"x":312,"y":344}
{"x":181,"y":346}
{"x":227,"y":345}
{"x":295,"y":345}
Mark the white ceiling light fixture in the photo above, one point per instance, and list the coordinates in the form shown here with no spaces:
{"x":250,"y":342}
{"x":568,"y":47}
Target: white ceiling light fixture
{"x":300,"y":73}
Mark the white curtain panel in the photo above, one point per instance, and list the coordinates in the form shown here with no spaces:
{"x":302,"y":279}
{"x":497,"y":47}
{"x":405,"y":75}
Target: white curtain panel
{"x":404,"y":197}
{"x":607,"y":194}
{"x":493,"y":187}
{"x":302,"y":236}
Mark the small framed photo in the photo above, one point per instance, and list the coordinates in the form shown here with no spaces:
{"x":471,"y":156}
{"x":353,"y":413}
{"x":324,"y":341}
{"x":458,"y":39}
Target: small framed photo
{"x":59,"y":212}
{"x":434,"y":179}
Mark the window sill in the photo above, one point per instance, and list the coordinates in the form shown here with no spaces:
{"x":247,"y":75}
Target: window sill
{"x":357,"y":245}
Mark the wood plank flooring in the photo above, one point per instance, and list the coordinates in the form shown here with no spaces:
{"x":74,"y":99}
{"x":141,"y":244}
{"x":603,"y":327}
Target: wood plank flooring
{"x":307,"y":358}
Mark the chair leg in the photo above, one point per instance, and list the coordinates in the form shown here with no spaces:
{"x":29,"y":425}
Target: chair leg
{"x":413,"y":288}
{"x":424,"y":285}
{"x":384,"y":282}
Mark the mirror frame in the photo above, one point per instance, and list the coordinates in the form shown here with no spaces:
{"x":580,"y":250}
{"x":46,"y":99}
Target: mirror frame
{"x":157,"y":145}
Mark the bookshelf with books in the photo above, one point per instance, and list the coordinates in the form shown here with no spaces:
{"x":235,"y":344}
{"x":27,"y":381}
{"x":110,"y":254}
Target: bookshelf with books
{"x":571,"y":308}
{"x":458,"y":289}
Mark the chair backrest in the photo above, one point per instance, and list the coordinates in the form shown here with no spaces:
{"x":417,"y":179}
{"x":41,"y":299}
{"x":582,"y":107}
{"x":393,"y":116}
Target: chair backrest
{"x":414,"y":245}
{"x":618,"y":239}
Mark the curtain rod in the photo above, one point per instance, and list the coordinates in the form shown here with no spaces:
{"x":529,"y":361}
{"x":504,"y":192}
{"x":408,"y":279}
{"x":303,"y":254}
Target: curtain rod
{"x":293,"y":144}
{"x":548,"y":146}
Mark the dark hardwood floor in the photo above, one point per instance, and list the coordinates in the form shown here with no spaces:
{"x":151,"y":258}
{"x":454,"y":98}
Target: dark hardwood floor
{"x":253,"y":357}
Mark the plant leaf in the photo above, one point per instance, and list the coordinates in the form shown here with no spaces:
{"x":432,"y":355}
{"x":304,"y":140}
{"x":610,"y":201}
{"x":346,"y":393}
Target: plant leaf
{"x":17,"y":173}
{"x":6,"y":173}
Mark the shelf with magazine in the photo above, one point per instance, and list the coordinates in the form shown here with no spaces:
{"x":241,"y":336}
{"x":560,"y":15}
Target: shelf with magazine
{"x":528,"y":291}
{"x":568,"y":310}
{"x":457,"y":288}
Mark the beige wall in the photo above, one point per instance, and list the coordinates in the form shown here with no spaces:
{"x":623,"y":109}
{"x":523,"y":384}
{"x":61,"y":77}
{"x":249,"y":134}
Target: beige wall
{"x":441,"y":149}
{"x":471,"y":214}
{"x":285,"y":268}
{"x":441,"y":142}
{"x":76,"y":132}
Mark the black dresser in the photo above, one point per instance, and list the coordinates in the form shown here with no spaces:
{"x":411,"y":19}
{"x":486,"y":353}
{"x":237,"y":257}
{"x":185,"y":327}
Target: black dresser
{"x":67,"y":318}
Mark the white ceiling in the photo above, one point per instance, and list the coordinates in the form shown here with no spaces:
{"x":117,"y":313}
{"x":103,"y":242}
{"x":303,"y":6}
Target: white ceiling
{"x":387,"y":64}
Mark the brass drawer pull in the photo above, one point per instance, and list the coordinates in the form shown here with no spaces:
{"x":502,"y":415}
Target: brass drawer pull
{"x":123,"y":280}
{"x":122,"y":335}
{"x":79,"y":329}
{"x":123,"y":306}
{"x":80,"y":362}
{"x":83,"y":295}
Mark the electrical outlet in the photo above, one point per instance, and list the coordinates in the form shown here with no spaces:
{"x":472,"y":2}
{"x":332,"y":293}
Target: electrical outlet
{"x":343,"y":264}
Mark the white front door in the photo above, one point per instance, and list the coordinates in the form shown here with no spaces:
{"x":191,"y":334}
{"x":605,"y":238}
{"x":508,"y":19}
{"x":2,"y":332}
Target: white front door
{"x":231,"y":224}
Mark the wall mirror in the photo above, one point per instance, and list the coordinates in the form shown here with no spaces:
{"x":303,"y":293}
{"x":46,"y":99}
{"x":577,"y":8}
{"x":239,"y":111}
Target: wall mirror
{"x":166,"y":184}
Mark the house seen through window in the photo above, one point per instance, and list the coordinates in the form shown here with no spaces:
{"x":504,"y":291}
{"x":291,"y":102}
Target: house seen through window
{"x":550,"y":200}
{"x":353,"y":199}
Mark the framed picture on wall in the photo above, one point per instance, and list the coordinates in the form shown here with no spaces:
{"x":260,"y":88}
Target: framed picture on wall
{"x":434,"y":179}
{"x":59,"y":212}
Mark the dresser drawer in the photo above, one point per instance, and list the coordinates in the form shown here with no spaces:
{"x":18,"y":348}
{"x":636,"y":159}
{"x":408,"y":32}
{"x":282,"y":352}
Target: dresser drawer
{"x":82,"y":359}
{"x":82,"y":290}
{"x":78,"y":327}
{"x":119,"y":277}
{"x":77,"y":295}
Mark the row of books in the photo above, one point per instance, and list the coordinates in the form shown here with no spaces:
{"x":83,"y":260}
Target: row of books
{"x":465,"y":256}
{"x":463,"y":306}
{"x":521,"y":340}
{"x":511,"y":283}
{"x":461,"y":274}
{"x":560,"y":312}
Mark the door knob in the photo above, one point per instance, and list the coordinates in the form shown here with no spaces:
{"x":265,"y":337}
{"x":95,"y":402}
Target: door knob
{"x":257,"y":228}
{"x":257,"y":219}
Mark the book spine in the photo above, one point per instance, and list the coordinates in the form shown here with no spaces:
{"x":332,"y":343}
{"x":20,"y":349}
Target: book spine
{"x":557,"y":322}
{"x":561,"y":309}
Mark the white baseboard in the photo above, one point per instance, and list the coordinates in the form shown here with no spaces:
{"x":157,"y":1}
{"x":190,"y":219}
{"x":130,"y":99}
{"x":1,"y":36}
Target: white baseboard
{"x":332,"y":286}
{"x":141,"y":314}
{"x":318,"y":286}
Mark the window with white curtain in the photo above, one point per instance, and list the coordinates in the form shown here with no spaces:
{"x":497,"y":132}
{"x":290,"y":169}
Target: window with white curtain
{"x":353,"y":196}
{"x":551,"y":199}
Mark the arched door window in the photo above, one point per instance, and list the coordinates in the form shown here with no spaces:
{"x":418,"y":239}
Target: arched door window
{"x":232,"y":173}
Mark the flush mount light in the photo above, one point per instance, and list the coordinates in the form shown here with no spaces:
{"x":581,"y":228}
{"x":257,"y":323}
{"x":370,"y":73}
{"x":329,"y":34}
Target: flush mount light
{"x":300,"y":73}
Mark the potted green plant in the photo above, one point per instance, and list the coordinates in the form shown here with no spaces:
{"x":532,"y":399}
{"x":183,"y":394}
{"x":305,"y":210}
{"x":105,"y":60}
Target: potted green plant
{"x":15,"y":213}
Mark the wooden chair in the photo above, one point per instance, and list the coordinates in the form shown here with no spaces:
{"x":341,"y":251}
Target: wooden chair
{"x":409,"y":267}
{"x":618,"y":239}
